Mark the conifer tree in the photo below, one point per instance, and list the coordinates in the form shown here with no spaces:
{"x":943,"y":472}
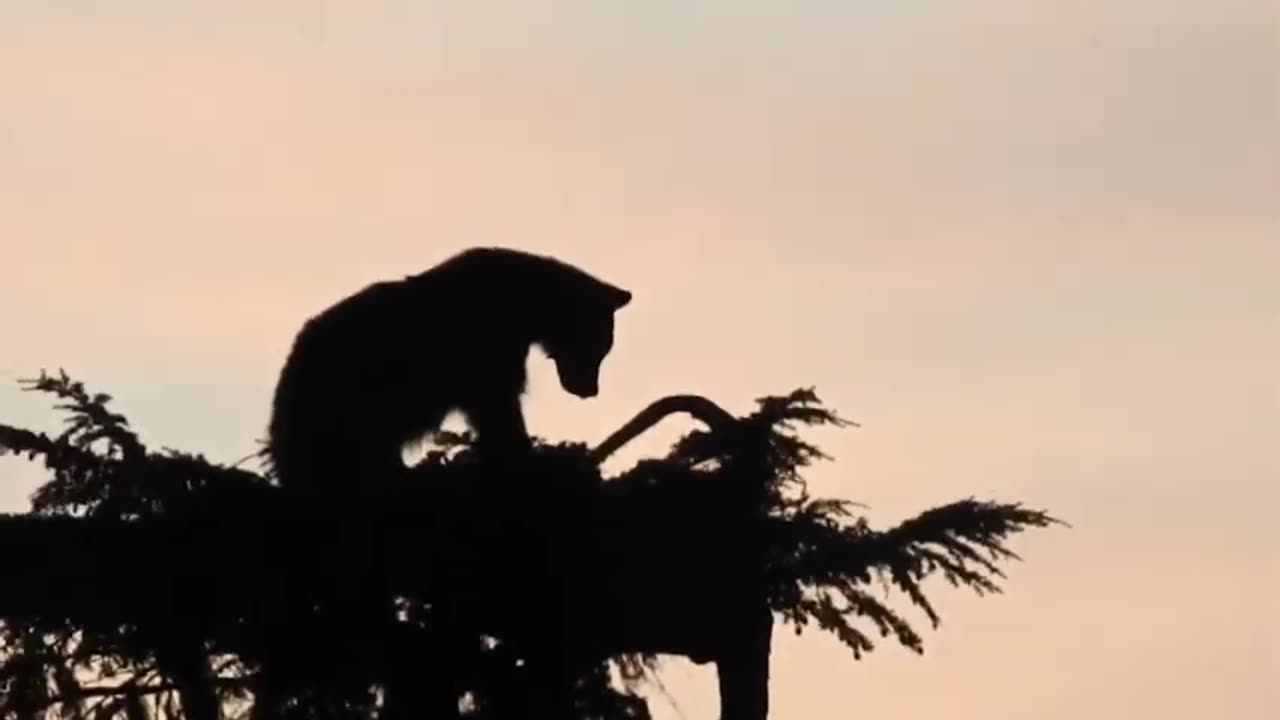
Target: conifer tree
{"x":151,"y":583}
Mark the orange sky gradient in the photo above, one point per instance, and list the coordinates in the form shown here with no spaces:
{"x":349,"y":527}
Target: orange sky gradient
{"x":1032,"y":247}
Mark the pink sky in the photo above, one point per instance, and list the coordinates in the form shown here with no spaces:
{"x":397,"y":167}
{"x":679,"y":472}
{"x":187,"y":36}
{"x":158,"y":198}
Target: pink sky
{"x":1033,"y":248}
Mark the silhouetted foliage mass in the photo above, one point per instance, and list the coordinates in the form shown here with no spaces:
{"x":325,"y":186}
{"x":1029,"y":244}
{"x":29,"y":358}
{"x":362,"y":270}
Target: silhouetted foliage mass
{"x":150,"y":583}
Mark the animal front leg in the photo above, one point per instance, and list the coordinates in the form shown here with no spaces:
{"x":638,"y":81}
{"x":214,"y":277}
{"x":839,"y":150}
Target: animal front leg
{"x":499,"y":427}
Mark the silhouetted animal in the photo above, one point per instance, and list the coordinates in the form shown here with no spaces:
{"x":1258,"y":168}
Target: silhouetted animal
{"x":386,"y":365}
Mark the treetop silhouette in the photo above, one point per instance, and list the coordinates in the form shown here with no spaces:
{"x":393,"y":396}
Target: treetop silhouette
{"x":149,"y":583}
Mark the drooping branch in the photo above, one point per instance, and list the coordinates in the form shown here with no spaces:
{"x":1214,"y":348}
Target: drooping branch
{"x":711,"y":414}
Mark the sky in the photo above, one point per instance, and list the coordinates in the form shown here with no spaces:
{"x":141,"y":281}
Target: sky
{"x":1032,"y":247}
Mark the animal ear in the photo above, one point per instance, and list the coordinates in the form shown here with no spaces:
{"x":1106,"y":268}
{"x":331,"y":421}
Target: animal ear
{"x":620,"y":297}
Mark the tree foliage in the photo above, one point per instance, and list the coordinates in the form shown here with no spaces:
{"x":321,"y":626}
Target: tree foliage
{"x":149,"y":583}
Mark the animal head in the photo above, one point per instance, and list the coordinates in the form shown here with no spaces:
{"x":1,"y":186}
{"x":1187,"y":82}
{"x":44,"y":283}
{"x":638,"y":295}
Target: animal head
{"x":580,"y":336}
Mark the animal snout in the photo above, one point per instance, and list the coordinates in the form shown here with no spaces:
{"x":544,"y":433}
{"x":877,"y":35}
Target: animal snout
{"x":584,"y":388}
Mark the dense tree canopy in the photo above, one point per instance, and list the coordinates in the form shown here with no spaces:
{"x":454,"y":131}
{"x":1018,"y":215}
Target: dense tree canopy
{"x":155,"y":583}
